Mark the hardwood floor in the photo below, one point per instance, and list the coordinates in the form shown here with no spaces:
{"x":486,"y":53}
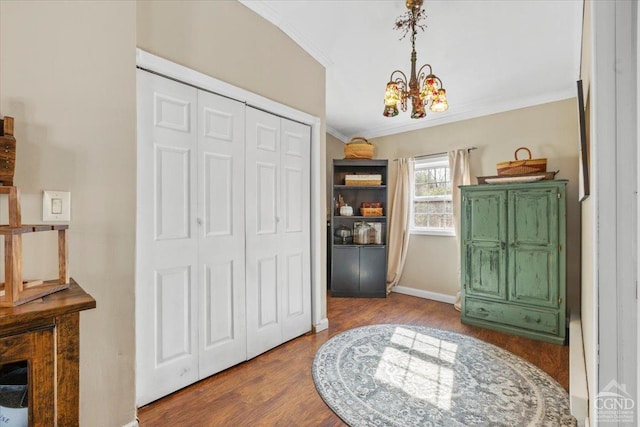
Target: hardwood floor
{"x":276,"y":388}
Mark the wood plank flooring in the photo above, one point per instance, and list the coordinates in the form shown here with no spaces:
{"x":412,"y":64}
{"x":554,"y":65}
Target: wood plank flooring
{"x":276,"y":388}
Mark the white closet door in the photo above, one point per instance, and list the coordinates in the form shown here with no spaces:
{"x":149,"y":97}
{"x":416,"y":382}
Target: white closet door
{"x":166,"y":241}
{"x":262,"y":197}
{"x":295,"y":228}
{"x":277,"y":231}
{"x":221,"y":228}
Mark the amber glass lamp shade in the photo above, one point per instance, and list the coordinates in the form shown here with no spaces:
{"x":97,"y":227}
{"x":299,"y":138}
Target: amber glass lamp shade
{"x":417,"y":112}
{"x":391,"y":99}
{"x":439,"y":102}
{"x":429,"y":90}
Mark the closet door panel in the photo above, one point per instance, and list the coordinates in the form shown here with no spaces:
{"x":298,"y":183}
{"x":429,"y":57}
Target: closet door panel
{"x":222,"y":326}
{"x":263,"y":225}
{"x":266,"y":198}
{"x":166,"y":273}
{"x":295,"y":233}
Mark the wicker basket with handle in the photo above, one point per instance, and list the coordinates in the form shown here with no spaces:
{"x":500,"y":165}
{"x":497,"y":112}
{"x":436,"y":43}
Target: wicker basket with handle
{"x":522,"y":167}
{"x":358,"y":148}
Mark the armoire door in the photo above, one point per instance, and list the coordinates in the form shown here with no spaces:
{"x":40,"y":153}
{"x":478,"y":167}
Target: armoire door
{"x":277,"y":230}
{"x":484,"y":235}
{"x":166,"y":238}
{"x":533,"y":269}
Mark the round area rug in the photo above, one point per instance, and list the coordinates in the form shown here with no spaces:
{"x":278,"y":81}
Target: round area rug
{"x":403,"y":375}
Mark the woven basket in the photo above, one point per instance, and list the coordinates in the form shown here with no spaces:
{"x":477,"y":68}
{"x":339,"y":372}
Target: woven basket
{"x":371,"y":211}
{"x":520,"y":167}
{"x":358,"y":148}
{"x":361,"y":182}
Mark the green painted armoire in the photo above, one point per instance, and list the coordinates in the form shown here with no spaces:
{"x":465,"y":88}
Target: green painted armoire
{"x":513,"y":266}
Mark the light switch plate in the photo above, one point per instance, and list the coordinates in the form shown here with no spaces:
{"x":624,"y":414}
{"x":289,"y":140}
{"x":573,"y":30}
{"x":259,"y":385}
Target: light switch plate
{"x":56,"y":205}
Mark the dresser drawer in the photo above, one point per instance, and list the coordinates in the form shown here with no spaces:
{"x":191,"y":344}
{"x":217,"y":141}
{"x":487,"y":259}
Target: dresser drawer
{"x":508,"y":314}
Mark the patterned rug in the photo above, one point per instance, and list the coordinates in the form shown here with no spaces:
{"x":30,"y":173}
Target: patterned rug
{"x":401,"y":375}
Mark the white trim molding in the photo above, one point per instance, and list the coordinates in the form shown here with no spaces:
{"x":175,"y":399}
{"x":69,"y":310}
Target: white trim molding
{"x":614,"y":138}
{"x":324,"y":324}
{"x":578,"y":391}
{"x":181,"y":73}
{"x":449,"y":299}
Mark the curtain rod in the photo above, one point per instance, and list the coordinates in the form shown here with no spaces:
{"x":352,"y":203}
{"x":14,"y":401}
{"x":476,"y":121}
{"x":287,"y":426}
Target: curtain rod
{"x":424,"y":156}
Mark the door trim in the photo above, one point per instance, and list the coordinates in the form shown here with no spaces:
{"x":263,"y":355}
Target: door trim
{"x":181,"y":73}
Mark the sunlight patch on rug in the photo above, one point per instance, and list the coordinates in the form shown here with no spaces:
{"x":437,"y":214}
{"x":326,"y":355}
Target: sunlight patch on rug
{"x":415,"y":376}
{"x":402,"y":375}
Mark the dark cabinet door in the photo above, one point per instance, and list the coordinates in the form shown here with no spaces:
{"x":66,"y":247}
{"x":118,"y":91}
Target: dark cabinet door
{"x":346,"y":270}
{"x":373,"y":271}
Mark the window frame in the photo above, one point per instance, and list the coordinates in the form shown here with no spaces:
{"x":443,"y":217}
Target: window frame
{"x":439,"y":160}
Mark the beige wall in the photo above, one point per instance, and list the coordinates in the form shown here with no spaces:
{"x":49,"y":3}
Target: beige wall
{"x":549,"y":130}
{"x":68,"y":77}
{"x":228,"y":41}
{"x":67,"y":74}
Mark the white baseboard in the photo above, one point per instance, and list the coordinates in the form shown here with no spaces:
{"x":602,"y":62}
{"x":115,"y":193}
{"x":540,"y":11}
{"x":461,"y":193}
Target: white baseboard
{"x":321,"y":326}
{"x":133,"y":423}
{"x":578,"y":391}
{"x":449,"y":299}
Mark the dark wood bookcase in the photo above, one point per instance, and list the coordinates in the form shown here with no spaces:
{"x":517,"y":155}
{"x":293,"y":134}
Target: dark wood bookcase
{"x":358,"y":270}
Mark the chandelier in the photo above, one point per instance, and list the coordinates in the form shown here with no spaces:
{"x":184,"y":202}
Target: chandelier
{"x":421,"y":88}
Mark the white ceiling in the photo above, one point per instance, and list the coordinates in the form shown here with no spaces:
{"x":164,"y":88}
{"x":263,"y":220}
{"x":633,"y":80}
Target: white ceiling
{"x":491,"y":55}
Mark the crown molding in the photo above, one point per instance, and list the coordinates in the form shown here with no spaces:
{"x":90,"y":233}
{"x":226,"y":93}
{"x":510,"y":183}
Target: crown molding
{"x":334,"y":133}
{"x":263,"y":9}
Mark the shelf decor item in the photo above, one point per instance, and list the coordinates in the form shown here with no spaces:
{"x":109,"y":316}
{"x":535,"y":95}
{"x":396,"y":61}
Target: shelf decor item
{"x":371,"y":211}
{"x":520,"y":167}
{"x":358,"y":148}
{"x":373,"y":179}
{"x":346,"y":210}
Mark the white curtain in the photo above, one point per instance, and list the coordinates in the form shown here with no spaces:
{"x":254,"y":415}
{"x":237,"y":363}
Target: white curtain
{"x":460,"y":175}
{"x":399,"y":222}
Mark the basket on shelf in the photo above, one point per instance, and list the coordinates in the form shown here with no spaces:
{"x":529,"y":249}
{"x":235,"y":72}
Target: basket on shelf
{"x":358,"y":148}
{"x":519,"y":167}
{"x":371,"y":209}
{"x":371,"y":179}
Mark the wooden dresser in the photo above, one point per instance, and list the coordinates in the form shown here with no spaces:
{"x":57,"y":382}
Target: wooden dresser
{"x":45,"y":334}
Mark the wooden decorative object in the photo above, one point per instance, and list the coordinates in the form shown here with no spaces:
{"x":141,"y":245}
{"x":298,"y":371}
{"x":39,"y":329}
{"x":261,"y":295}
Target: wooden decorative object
{"x":525,"y":166}
{"x":7,"y":151}
{"x":46,"y":335}
{"x":358,"y":148}
{"x":15,"y":291}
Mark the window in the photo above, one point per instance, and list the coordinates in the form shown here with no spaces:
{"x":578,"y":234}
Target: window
{"x":432,"y":205}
